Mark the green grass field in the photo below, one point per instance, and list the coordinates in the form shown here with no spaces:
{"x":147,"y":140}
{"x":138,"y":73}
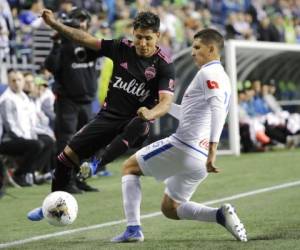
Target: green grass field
{"x":272,"y":218}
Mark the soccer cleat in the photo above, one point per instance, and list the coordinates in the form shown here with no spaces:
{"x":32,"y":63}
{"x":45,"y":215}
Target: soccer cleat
{"x":227,"y":217}
{"x":132,"y":234}
{"x":88,"y":169}
{"x":36,"y":214}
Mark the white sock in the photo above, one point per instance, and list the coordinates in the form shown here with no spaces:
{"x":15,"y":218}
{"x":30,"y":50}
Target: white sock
{"x":195,"y":211}
{"x":132,"y":196}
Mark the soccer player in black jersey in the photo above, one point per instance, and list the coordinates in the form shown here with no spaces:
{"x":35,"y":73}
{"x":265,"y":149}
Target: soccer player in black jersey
{"x":140,"y":90}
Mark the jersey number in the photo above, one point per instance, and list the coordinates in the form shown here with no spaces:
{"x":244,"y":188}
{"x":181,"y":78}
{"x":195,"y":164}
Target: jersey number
{"x":212,"y":84}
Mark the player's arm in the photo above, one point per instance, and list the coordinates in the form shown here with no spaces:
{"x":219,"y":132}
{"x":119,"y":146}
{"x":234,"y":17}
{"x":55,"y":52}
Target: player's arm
{"x":163,"y":106}
{"x":79,"y":36}
{"x":218,"y":115}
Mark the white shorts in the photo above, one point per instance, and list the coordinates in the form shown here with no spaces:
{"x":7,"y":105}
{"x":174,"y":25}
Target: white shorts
{"x":181,"y":172}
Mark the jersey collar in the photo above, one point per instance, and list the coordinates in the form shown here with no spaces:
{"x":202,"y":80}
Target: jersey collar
{"x":211,"y":63}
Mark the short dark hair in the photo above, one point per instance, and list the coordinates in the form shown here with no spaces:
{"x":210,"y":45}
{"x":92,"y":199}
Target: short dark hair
{"x":210,"y":36}
{"x":146,"y":20}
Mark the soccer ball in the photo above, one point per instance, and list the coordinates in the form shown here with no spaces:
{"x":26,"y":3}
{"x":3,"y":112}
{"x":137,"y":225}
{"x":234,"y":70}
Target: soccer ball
{"x":60,"y":208}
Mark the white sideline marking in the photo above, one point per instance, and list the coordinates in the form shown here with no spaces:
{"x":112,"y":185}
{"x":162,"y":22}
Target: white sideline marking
{"x":112,"y":223}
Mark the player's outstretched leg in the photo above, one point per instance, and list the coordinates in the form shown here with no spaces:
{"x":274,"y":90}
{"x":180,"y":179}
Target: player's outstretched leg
{"x":227,"y":217}
{"x":36,"y":214}
{"x":132,"y":234}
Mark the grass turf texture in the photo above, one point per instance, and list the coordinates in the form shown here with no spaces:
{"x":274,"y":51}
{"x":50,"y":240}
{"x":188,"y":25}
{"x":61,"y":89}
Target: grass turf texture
{"x":271,"y":219}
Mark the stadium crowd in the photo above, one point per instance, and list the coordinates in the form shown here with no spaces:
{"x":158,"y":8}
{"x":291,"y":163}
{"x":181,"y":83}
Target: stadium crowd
{"x":269,"y":20}
{"x":262,"y":121}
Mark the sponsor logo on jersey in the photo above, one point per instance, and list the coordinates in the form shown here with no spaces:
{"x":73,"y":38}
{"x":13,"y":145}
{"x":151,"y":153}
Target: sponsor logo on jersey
{"x":150,"y":73}
{"x":82,"y":65}
{"x":212,"y":84}
{"x":132,"y":87}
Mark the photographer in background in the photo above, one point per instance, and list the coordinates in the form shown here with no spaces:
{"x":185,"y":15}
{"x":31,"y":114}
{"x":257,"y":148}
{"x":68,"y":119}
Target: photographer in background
{"x":75,"y":86}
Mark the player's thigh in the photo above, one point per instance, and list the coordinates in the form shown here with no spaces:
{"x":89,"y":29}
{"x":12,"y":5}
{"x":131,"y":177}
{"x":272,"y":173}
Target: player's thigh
{"x":157,"y":159}
{"x":182,"y":186}
{"x":162,"y":160}
{"x":98,"y":133}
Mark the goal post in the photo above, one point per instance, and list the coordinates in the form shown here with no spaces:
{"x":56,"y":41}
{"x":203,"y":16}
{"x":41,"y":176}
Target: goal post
{"x":250,"y":59}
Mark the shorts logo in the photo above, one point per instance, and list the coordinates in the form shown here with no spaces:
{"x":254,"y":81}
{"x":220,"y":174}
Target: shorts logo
{"x":150,"y":73}
{"x":204,"y":144}
{"x":212,"y":84}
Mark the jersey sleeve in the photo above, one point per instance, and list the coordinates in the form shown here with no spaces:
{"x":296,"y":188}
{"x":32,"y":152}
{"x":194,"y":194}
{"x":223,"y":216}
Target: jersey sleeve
{"x":218,"y":99}
{"x":166,"y":80}
{"x":109,"y":48}
{"x":212,"y":86}
{"x":218,"y":116}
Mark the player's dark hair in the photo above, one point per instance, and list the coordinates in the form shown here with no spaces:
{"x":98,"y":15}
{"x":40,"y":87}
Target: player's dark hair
{"x":146,"y":20}
{"x":210,"y":36}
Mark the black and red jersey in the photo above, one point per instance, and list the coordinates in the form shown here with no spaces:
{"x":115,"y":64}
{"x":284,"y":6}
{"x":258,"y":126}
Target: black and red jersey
{"x":136,"y":81}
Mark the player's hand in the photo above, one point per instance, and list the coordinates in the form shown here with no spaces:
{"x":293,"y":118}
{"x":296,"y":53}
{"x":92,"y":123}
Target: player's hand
{"x":211,"y":168}
{"x":48,"y":17}
{"x":144,"y":113}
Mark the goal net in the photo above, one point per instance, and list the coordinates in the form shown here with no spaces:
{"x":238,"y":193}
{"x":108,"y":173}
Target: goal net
{"x":264,"y":61}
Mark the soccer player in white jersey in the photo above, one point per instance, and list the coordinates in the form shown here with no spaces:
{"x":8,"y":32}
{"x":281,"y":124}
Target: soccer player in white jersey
{"x":184,"y":159}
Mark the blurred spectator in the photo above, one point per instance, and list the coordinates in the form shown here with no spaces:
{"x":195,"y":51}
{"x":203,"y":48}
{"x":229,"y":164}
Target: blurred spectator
{"x":5,"y":11}
{"x":31,"y":16}
{"x":19,"y":139}
{"x":41,"y":124}
{"x":231,"y":31}
{"x":266,"y":31}
{"x":297,"y":30}
{"x":278,"y":22}
{"x":45,"y":98}
{"x":65,"y":7}
{"x":4,"y":37}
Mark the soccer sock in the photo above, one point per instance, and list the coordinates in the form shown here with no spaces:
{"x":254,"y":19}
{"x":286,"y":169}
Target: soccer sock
{"x":132,"y":196}
{"x":62,"y":173}
{"x":195,"y":211}
{"x":116,"y":148}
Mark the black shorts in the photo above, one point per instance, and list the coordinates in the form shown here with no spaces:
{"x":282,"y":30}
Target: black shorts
{"x":97,"y":134}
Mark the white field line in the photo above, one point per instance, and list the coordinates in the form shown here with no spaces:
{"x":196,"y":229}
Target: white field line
{"x":112,"y":223}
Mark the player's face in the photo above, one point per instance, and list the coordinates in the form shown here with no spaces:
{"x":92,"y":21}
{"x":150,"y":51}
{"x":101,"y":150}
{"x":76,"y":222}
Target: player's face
{"x":145,"y":42}
{"x":201,"y":52}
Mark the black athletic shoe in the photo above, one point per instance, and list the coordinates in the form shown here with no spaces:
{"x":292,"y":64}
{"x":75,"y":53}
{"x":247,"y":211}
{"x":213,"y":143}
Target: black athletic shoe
{"x":81,"y":184}
{"x":72,"y":189}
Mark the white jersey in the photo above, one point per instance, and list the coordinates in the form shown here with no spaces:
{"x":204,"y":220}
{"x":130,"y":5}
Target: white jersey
{"x":203,"y":110}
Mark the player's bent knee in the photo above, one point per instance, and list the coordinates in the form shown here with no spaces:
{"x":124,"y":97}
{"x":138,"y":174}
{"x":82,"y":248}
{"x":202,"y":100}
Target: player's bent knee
{"x":131,"y":166}
{"x":136,"y":132}
{"x":169,"y":208}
